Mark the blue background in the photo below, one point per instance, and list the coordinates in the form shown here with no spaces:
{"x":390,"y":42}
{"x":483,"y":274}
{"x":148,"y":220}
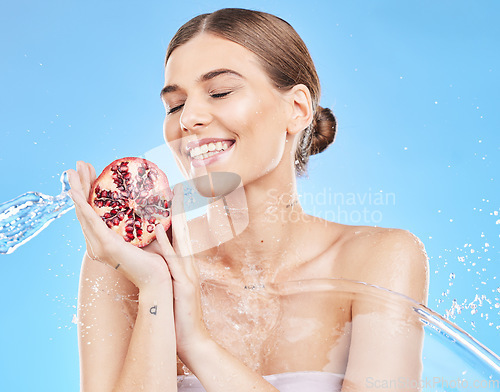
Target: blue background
{"x":414,"y":86}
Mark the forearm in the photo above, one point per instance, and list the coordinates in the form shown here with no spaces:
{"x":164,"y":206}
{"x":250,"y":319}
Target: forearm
{"x":219,"y":371}
{"x":150,"y":363}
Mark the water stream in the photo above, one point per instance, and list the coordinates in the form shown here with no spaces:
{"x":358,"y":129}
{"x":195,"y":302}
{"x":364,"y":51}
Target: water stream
{"x":25,"y":216}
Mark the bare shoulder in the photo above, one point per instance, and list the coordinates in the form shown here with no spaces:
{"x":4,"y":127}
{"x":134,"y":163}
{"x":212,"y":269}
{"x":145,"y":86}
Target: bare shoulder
{"x":391,"y":258}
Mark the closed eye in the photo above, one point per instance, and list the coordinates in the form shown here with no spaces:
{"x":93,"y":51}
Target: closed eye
{"x":213,"y":95}
{"x":174,"y":109}
{"x":220,"y":95}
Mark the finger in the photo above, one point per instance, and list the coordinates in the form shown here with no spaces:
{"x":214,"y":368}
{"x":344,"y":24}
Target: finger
{"x":103,"y":244}
{"x":94,"y":229}
{"x":75,"y":184}
{"x":92,"y":173}
{"x":164,"y":245}
{"x":90,"y":176}
{"x":84,"y":212}
{"x":84,"y":173}
{"x":76,"y":194}
{"x":180,"y":229}
{"x":180,"y":233}
{"x":167,"y":252}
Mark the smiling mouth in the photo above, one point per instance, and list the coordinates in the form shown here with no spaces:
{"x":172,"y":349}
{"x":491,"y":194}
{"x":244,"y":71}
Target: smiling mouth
{"x":207,"y":150}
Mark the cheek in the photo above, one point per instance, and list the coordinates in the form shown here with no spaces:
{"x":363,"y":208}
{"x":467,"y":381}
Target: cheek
{"x":251,"y":118}
{"x":267,"y":141}
{"x":235,"y":116}
{"x":271,"y":129}
{"x":275,"y":151}
{"x":262,"y":131}
{"x":165,"y":130}
{"x":171,"y":135}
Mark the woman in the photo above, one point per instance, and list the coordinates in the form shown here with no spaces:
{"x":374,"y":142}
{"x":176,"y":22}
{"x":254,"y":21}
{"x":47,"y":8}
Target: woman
{"x":244,"y":79}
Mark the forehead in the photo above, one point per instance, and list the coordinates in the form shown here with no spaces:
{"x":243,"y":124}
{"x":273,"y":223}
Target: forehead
{"x":205,"y":53}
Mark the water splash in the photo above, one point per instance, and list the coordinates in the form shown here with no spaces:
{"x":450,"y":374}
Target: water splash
{"x":255,"y":324}
{"x":24,"y":217}
{"x":27,"y":215}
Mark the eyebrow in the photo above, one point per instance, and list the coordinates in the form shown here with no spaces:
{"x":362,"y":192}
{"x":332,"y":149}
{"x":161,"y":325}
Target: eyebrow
{"x":203,"y":78}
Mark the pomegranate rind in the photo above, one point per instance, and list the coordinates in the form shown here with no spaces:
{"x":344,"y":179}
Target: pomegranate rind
{"x":132,"y":195}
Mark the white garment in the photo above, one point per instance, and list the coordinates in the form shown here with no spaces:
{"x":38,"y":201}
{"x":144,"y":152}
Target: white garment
{"x":284,"y":382}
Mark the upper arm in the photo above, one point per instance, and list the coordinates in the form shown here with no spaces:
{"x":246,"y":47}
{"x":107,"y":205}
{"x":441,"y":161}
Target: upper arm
{"x":396,"y":260}
{"x":387,"y":337}
{"x":107,"y":307}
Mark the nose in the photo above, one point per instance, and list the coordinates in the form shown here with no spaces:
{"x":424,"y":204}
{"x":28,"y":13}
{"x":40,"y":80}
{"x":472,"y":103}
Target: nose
{"x":195,"y":115}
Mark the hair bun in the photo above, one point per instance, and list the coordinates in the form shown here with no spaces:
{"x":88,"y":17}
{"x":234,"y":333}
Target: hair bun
{"x":324,"y":128}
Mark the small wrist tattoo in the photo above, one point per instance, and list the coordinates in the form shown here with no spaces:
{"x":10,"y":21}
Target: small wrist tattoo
{"x":153,"y":310}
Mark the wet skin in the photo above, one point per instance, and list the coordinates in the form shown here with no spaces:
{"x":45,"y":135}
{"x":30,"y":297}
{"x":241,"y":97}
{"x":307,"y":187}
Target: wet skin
{"x":299,"y":332}
{"x":242,"y":105}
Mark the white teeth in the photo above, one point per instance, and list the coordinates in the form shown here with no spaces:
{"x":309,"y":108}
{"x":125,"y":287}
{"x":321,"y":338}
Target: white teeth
{"x":207,"y":150}
{"x":195,"y":151}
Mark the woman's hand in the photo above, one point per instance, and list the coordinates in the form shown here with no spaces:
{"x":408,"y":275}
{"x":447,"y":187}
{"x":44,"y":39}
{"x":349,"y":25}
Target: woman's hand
{"x":139,"y":266}
{"x":189,"y":326}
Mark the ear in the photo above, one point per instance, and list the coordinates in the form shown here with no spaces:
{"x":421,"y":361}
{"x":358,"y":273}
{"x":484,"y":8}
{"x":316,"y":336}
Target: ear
{"x":299,"y":98}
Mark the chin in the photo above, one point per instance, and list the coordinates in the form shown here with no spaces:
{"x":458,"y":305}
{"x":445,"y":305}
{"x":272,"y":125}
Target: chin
{"x":216,"y":184}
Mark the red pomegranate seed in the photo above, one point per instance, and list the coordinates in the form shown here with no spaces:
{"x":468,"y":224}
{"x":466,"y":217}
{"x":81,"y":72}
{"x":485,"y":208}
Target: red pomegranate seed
{"x":134,"y":190}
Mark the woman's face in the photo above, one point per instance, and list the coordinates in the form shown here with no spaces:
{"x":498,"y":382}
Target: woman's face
{"x":222,"y":112}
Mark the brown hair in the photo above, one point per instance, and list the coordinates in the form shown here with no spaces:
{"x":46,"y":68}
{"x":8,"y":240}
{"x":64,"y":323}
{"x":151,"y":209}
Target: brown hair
{"x":284,"y":57}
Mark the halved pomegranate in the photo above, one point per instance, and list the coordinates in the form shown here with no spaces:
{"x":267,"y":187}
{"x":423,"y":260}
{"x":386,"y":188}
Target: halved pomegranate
{"x":131,"y":196}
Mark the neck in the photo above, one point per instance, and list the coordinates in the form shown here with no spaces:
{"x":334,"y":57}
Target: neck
{"x":256,"y":225}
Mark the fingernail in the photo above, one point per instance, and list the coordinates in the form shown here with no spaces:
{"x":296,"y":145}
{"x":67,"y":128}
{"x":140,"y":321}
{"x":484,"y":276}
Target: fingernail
{"x":68,"y":176}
